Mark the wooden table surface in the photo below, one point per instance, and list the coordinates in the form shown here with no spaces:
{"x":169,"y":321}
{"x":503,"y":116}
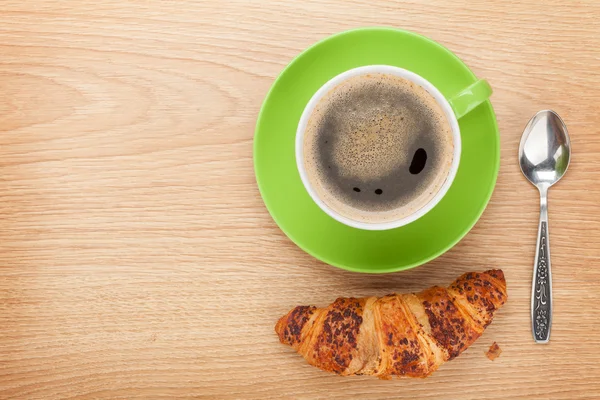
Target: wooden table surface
{"x":137,"y":259}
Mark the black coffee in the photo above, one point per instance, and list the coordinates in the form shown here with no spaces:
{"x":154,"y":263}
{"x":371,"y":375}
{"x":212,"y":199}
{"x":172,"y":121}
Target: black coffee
{"x":377,"y":148}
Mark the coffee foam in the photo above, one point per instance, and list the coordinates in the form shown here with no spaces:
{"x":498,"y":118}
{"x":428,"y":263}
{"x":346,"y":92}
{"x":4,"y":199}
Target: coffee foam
{"x":362,"y":135}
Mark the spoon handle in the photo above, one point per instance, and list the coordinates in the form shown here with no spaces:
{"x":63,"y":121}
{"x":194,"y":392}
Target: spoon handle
{"x":541,"y":292}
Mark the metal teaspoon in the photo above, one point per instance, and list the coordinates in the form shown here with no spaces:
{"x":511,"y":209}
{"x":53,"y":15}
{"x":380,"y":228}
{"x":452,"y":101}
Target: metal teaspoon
{"x":544,"y":155}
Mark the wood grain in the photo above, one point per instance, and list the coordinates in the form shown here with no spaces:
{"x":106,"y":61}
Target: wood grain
{"x":137,"y":259}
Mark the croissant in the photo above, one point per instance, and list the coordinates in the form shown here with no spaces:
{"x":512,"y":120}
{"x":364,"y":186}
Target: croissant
{"x":398,"y":334}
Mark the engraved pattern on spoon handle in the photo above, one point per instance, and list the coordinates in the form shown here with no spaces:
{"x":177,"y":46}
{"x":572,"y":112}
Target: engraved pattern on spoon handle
{"x":541,"y":296}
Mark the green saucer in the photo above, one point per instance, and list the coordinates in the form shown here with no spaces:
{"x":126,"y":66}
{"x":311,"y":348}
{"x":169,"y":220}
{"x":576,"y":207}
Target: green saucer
{"x":304,"y":222}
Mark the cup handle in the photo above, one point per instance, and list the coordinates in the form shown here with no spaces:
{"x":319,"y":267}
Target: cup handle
{"x":471,"y":97}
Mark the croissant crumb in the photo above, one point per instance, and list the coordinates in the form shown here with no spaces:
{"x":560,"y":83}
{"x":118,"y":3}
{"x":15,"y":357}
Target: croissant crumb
{"x":408,"y":335}
{"x":494,"y":352}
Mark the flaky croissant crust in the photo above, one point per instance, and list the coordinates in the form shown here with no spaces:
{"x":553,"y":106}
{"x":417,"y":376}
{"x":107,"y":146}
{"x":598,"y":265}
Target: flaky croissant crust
{"x":398,"y":334}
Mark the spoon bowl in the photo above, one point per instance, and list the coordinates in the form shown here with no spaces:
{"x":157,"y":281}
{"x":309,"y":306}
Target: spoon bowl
{"x":545,"y":149}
